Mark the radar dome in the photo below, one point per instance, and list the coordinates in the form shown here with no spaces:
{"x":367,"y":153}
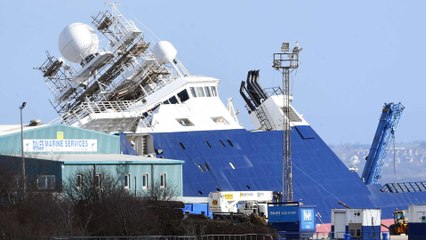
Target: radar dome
{"x":164,"y":52}
{"x":77,"y":41}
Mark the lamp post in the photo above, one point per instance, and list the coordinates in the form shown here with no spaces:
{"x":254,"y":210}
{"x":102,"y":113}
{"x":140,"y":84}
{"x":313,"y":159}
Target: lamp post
{"x":22,"y":148}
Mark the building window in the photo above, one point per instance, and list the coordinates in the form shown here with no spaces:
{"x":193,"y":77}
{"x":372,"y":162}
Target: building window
{"x":16,"y":182}
{"x":46,"y":182}
{"x":79,"y":181}
{"x":98,"y":180}
{"x":127,"y":181}
{"x":145,"y":179}
{"x":163,"y":180}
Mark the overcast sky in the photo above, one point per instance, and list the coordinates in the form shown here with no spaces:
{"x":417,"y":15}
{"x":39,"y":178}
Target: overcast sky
{"x":356,"y":56}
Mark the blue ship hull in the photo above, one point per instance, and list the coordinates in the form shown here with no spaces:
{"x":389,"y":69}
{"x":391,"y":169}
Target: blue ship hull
{"x":238,"y":160}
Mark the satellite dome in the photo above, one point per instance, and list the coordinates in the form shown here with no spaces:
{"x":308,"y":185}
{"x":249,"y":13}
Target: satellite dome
{"x":77,"y":41}
{"x":164,"y":52}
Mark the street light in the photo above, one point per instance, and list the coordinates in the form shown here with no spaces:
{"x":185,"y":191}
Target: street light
{"x":22,"y":147}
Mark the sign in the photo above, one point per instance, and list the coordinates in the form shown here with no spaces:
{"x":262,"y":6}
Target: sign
{"x":60,"y":145}
{"x":283,"y":213}
{"x":229,"y":196}
{"x":307,"y":219}
{"x":59,"y":135}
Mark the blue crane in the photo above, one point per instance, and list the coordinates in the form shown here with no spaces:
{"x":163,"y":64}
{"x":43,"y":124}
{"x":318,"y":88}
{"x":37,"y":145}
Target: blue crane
{"x":385,"y":130}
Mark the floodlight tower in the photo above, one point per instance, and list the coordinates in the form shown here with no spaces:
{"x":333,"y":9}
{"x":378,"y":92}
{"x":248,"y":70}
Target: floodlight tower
{"x":285,"y":62}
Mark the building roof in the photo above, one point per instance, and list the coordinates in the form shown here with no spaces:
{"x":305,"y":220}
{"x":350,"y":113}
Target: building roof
{"x":106,"y":159}
{"x":16,"y":128}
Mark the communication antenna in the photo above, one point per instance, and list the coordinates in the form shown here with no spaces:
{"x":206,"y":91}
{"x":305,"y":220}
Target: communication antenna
{"x":285,"y":62}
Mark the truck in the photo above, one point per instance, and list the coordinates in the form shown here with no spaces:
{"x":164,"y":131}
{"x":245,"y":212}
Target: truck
{"x":240,"y":203}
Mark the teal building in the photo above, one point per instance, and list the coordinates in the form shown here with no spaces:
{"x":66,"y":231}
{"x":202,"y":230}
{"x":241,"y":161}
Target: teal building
{"x":80,"y":150}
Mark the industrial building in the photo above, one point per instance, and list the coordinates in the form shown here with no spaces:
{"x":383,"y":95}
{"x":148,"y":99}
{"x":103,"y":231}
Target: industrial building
{"x":76,"y":150}
{"x":41,"y":175}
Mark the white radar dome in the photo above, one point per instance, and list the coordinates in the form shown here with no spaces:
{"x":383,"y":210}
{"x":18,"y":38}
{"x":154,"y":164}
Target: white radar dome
{"x":77,"y":41}
{"x":164,"y":52}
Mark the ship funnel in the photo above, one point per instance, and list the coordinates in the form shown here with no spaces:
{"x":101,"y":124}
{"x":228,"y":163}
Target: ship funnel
{"x":77,"y":42}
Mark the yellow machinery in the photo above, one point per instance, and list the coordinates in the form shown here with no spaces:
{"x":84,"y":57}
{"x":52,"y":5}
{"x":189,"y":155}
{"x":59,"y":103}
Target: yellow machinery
{"x":400,"y":225}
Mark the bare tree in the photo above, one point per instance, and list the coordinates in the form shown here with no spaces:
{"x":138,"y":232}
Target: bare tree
{"x":160,"y":193}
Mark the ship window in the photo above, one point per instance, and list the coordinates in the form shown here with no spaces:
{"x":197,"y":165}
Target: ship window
{"x":173,"y":100}
{"x":206,"y":166}
{"x":207,"y":90}
{"x":199,"y":192}
{"x":208,"y":144}
{"x":200,"y":167}
{"x":182,"y":146}
{"x":184,"y":122}
{"x":232,"y":165}
{"x":183,"y":96}
{"x":46,"y":182}
{"x":127,"y":181}
{"x":214,"y":92}
{"x":145,"y":181}
{"x":230,"y":143}
{"x":248,"y":187}
{"x":200,"y":92}
{"x":194,"y":94}
{"x":163,"y":180}
{"x":221,"y":142}
{"x":220,"y":120}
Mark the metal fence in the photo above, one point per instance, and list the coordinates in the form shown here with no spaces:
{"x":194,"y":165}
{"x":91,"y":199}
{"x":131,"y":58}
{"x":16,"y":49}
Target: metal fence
{"x":201,"y":237}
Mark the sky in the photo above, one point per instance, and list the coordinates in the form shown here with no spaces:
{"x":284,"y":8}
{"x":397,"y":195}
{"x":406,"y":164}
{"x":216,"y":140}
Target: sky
{"x":357,"y":55}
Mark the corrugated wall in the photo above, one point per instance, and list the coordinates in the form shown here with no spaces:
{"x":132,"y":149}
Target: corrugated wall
{"x":136,"y":170}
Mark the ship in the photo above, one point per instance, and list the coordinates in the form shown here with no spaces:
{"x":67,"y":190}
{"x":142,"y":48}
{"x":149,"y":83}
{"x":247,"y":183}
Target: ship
{"x":133,"y":86}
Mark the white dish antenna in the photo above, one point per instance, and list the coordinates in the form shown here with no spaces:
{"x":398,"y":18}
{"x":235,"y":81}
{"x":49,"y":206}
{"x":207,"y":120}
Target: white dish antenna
{"x":164,"y":52}
{"x":78,"y":41}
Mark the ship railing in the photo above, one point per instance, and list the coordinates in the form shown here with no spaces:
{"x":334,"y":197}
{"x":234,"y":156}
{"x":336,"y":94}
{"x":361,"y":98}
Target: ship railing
{"x":273,"y":91}
{"x":87,"y":108}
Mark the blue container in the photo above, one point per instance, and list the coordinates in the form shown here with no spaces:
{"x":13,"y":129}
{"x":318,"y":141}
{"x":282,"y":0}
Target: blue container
{"x":293,"y":219}
{"x":416,"y":231}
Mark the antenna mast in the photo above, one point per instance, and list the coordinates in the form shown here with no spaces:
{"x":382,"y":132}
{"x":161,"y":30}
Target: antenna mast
{"x":285,"y":62}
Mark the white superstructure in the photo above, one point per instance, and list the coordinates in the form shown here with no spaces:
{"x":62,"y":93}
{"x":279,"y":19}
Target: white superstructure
{"x":126,"y":85}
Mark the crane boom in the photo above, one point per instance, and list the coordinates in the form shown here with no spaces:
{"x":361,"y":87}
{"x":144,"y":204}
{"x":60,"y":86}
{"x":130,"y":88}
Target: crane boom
{"x":385,"y":130}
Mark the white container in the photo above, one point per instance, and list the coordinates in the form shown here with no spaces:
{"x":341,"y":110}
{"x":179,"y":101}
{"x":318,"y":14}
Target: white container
{"x":417,"y":214}
{"x":354,"y":221}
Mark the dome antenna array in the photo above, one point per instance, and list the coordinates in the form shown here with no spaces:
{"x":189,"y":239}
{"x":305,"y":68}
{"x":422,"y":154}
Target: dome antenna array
{"x":111,"y":77}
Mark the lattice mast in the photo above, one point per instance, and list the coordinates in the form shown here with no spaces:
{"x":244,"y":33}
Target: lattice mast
{"x":285,"y":62}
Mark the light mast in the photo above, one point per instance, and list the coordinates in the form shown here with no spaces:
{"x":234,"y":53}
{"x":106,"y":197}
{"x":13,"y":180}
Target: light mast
{"x":285,"y":62}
